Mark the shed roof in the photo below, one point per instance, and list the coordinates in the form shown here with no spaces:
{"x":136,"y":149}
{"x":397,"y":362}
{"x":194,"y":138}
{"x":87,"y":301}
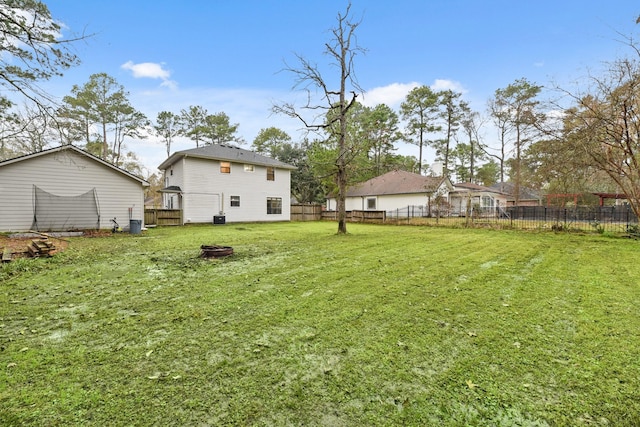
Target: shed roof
{"x":396,"y":182}
{"x":225,"y":152}
{"x":69,"y":147}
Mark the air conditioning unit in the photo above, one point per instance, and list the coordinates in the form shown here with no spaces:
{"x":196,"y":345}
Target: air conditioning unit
{"x":219,"y":219}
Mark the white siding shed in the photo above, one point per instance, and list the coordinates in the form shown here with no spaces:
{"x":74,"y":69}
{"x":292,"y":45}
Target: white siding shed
{"x":62,"y":174}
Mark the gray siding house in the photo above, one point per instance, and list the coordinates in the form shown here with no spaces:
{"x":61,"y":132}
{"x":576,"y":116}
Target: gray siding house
{"x":228,"y":182}
{"x":66,"y":188}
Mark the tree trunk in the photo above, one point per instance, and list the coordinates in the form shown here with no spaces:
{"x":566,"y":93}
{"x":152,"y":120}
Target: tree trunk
{"x":342,"y":144}
{"x":341,"y":201}
{"x":105,"y":144}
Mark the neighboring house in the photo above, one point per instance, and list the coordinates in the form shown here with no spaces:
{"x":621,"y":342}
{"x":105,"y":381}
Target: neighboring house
{"x":66,"y":188}
{"x":395,"y":190}
{"x":527,"y":196}
{"x":467,"y":196}
{"x":226,"y":182}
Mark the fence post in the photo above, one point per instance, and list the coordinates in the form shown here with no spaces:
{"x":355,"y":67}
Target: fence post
{"x":627,"y":218}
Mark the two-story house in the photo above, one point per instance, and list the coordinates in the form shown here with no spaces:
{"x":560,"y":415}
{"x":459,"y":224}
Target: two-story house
{"x":228,"y":183}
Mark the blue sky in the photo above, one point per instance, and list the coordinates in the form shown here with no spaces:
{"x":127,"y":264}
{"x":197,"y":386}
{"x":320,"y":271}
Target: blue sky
{"x":228,"y":55}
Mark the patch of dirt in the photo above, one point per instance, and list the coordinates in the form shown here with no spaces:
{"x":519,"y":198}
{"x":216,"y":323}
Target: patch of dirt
{"x":18,"y":245}
{"x":96,"y":233}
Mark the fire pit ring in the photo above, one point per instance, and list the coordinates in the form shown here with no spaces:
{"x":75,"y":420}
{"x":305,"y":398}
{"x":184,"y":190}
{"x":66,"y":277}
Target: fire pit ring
{"x":215,"y":251}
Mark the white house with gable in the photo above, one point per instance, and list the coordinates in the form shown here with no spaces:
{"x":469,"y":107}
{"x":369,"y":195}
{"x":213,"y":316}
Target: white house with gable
{"x":227,"y":183}
{"x":396,"y":190}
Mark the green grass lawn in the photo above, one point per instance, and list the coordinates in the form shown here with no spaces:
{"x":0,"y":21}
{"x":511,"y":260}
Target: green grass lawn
{"x":388,"y":325}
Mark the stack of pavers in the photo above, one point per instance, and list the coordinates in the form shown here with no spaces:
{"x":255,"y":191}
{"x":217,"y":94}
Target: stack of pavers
{"x":40,"y":248}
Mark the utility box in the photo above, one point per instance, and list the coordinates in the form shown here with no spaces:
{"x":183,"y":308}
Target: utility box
{"x":219,"y":219}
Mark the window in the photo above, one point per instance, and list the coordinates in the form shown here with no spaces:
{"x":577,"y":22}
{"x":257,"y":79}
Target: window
{"x":235,"y":201}
{"x":225,"y":167}
{"x":274,"y":205}
{"x":271,"y":173}
{"x":487,"y":202}
{"x":371,"y":203}
{"x":248,"y":168}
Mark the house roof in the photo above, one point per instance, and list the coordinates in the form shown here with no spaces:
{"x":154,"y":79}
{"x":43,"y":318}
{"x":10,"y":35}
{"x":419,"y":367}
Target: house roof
{"x":509,"y":188}
{"x":225,"y":152}
{"x":396,"y":182}
{"x":171,"y":189}
{"x":69,"y":147}
{"x":465,"y":187}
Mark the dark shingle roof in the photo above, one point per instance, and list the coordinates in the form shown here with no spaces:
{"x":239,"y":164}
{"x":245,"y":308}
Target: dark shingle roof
{"x":225,"y":152}
{"x":470,"y":186}
{"x":395,"y":182}
{"x":525,"y":193}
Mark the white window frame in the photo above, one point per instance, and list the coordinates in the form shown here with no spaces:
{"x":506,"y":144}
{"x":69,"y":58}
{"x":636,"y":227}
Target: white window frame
{"x":370,"y":201}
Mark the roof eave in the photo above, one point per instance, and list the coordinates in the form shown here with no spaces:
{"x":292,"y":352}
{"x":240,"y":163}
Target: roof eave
{"x":144,"y":182}
{"x":176,"y":156}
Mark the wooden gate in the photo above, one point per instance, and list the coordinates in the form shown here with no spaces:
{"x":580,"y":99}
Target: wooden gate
{"x":162,"y":217}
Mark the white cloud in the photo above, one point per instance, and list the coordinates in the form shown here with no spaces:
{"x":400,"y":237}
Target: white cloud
{"x":147,"y":69}
{"x":391,"y":95}
{"x":395,"y":93}
{"x":443,"y":84}
{"x":150,"y":70}
{"x":170,"y":84}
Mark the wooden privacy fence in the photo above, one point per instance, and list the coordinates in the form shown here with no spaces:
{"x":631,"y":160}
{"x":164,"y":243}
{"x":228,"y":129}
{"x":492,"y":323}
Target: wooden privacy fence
{"x":357,"y":216}
{"x":306,"y":212}
{"x":162,"y":217}
{"x":368,"y":216}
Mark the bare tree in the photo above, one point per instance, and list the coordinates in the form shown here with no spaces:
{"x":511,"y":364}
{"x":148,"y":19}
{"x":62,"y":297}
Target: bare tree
{"x":335,"y":104}
{"x":605,"y":125}
{"x":32,"y":49}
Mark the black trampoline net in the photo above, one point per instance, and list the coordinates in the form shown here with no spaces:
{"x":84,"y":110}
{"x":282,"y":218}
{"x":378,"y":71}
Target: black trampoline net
{"x":65,"y":213}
